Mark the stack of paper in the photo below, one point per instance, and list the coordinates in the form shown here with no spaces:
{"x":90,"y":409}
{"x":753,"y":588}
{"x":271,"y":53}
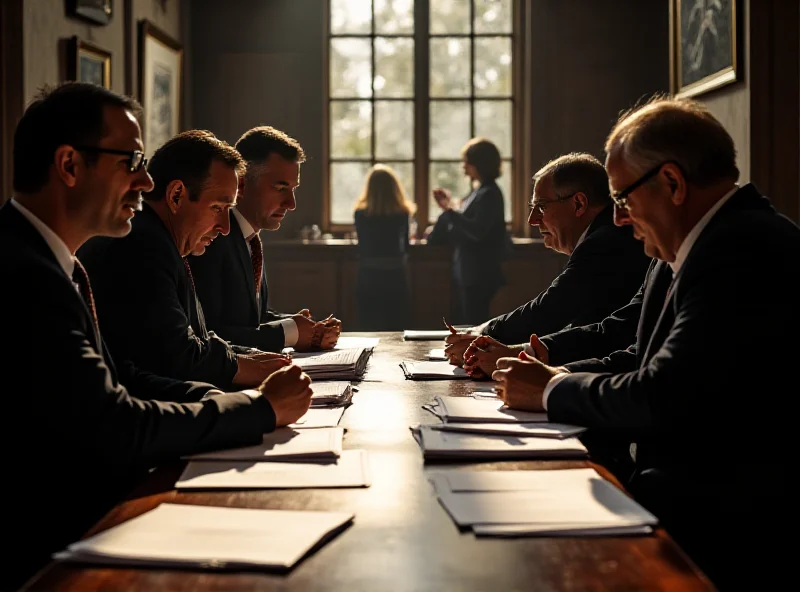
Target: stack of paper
{"x":351,"y":469}
{"x":481,"y":409}
{"x":285,"y":444}
{"x":337,"y":364}
{"x":207,"y":537}
{"x":537,"y":430}
{"x":572,"y":502}
{"x":437,"y":444}
{"x":332,"y":393}
{"x":412,"y":335}
{"x":432,"y":371}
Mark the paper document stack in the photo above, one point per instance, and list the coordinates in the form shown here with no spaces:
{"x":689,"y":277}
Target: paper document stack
{"x":480,"y":409}
{"x":570,"y":502}
{"x":207,"y":537}
{"x":432,"y":371}
{"x":285,"y":444}
{"x":332,"y":393}
{"x":348,"y":342}
{"x":337,"y":364}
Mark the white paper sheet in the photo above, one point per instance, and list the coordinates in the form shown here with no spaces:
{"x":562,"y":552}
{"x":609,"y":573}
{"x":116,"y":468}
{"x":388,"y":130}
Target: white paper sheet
{"x":484,"y":410}
{"x":351,"y":469}
{"x":432,"y":371}
{"x":285,"y":444}
{"x":320,"y":417}
{"x":413,"y":335}
{"x":437,"y":355}
{"x":538,"y":430}
{"x":437,"y":444}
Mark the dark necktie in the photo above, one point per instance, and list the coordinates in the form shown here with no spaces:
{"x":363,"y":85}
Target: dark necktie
{"x":80,"y":277}
{"x":257,"y":258}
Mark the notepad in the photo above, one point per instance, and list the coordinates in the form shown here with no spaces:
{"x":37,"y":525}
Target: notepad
{"x":351,"y":469}
{"x":441,"y":445}
{"x":538,"y":430}
{"x":437,"y":355}
{"x":482,"y":410}
{"x":413,"y":335}
{"x":337,"y":364}
{"x":320,"y":417}
{"x":285,"y":444}
{"x":331,"y":393}
{"x":207,"y":537}
{"x":432,"y":371}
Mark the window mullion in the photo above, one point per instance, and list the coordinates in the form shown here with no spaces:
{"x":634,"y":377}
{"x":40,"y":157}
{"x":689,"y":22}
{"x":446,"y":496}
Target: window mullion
{"x":421,"y":111}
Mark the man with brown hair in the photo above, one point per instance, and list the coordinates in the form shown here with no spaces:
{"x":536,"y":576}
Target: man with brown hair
{"x":146,"y":299}
{"x":728,"y":267}
{"x":229,"y":276}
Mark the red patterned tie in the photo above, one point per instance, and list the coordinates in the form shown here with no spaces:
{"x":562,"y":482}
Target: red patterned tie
{"x":80,"y":277}
{"x":257,"y":257}
{"x":189,"y":273}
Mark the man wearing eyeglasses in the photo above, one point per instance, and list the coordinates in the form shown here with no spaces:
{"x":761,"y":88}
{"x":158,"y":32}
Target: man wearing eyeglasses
{"x":719,"y":347}
{"x":76,"y":435}
{"x":573,"y":212}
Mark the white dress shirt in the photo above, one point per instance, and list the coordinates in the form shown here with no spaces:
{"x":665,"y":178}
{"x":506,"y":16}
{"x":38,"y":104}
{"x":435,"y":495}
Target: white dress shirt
{"x":65,"y":258}
{"x":680,"y":258}
{"x":290,"y":332}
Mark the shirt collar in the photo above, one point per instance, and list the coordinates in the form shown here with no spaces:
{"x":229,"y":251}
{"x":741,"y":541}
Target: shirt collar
{"x":247,"y":230}
{"x":583,"y":236}
{"x":65,"y":258}
{"x":694,"y":233}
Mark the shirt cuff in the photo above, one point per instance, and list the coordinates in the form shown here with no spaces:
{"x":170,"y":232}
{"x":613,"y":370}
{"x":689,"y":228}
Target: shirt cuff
{"x":552,"y":383}
{"x":290,"y":332}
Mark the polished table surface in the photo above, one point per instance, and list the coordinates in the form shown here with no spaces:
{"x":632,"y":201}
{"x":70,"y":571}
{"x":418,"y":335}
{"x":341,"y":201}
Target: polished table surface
{"x":401,"y":538}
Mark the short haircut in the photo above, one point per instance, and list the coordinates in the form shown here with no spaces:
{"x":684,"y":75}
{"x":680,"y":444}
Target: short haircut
{"x":577,"y":172}
{"x":484,"y":156}
{"x":70,"y":114}
{"x":675,"y":130}
{"x":188,"y":158}
{"x":258,"y":143}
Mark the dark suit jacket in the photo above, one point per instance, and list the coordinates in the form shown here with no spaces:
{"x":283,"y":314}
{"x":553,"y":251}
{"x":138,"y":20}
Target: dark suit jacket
{"x":75,"y":439}
{"x":479,"y":237}
{"x":602,"y":273}
{"x":223,"y":276}
{"x":146,"y":308}
{"x":722,"y":348}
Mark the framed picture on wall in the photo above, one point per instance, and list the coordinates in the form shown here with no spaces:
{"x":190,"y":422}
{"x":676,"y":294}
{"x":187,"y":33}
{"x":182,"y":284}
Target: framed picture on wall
{"x":87,"y":62}
{"x":704,"y":45}
{"x":160,"y":85}
{"x":95,"y":11}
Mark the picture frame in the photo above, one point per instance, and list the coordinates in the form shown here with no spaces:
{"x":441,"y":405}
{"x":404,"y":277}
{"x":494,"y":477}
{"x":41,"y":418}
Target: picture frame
{"x":160,"y":85}
{"x":88,"y":63}
{"x":705,"y":45}
{"x":99,"y":12}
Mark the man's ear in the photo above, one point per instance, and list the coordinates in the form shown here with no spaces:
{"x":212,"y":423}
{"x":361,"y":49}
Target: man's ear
{"x":241,"y":185}
{"x":675,"y":181}
{"x":176,"y":195}
{"x":581,"y":203}
{"x":67,"y":161}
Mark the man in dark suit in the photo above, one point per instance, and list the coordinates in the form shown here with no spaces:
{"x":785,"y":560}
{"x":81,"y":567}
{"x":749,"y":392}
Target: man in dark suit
{"x":146,"y":297}
{"x":77,"y":439}
{"x":729,"y":264}
{"x":572,"y":209}
{"x":229,"y":276}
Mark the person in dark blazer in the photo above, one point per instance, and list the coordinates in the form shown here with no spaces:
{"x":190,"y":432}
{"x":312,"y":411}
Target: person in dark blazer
{"x":572,"y":209}
{"x":381,"y":216}
{"x":476,"y":229}
{"x":718,"y":349}
{"x":145,"y":293}
{"x":229,"y":276}
{"x":76,"y":438}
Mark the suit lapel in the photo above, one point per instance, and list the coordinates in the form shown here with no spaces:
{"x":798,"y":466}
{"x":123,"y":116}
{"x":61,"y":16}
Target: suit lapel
{"x":243,"y":255}
{"x":653,"y":305}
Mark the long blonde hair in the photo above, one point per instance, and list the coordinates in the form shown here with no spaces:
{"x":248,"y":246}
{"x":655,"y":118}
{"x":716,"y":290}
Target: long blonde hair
{"x":383,"y":195}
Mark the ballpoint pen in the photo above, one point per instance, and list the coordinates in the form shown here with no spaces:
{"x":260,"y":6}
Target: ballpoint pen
{"x":449,"y":326}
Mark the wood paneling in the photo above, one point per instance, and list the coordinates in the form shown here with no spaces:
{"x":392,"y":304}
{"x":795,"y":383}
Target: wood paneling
{"x":11,"y":82}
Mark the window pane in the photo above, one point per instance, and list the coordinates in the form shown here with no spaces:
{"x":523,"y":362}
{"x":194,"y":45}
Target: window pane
{"x":450,"y":176}
{"x":351,"y":129}
{"x":449,"y":129}
{"x":394,"y":17}
{"x":449,"y":16}
{"x":493,"y":121}
{"x":405,"y":172}
{"x":347,"y":181}
{"x":504,"y":182}
{"x":351,"y":16}
{"x":351,"y":65}
{"x":394,"y":129}
{"x":493,"y":16}
{"x":394,"y":67}
{"x":449,"y":67}
{"x":493,"y":66}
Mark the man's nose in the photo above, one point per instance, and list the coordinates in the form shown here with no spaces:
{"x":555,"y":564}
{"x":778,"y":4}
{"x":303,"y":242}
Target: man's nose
{"x":290,"y":203}
{"x":143,"y":181}
{"x":224,"y":225}
{"x":621,"y":217}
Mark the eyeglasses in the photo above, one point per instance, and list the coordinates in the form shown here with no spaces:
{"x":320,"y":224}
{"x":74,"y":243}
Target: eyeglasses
{"x":540,"y":206}
{"x":620,"y":198}
{"x":136,"y":159}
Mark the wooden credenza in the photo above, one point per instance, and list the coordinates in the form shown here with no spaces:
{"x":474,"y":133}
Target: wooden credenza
{"x":321,"y":276}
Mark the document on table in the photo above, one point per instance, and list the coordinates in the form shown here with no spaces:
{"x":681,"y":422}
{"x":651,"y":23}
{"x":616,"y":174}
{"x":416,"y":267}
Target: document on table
{"x":351,"y":469}
{"x":413,"y":335}
{"x":437,"y":355}
{"x":538,"y":430}
{"x":320,"y":417}
{"x":347,"y":342}
{"x":285,"y":444}
{"x":180,"y":535}
{"x":331,"y":393}
{"x":342,"y":364}
{"x":482,"y":410}
{"x":432,"y":371}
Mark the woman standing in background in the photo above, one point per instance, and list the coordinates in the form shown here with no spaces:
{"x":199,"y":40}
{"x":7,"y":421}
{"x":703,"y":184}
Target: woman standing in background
{"x":382,"y":215}
{"x":476,"y":228}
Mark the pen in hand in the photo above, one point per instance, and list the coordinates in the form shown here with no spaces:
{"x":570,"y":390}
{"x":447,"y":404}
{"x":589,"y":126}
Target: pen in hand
{"x":449,"y":326}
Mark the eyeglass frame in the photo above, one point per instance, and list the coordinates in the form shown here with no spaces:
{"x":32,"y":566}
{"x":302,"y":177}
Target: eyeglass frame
{"x":132,"y":154}
{"x":620,"y":198}
{"x":537,"y":206}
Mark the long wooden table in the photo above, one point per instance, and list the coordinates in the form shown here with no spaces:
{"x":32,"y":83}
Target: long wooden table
{"x":401,"y":539}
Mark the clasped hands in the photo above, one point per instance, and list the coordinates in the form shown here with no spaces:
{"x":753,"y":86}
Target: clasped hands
{"x":316,"y":335}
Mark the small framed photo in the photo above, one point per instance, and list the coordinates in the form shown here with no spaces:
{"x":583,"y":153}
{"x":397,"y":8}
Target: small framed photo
{"x":88,"y":63}
{"x":160,"y":85}
{"x":705,"y":42}
{"x":94,"y":11}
